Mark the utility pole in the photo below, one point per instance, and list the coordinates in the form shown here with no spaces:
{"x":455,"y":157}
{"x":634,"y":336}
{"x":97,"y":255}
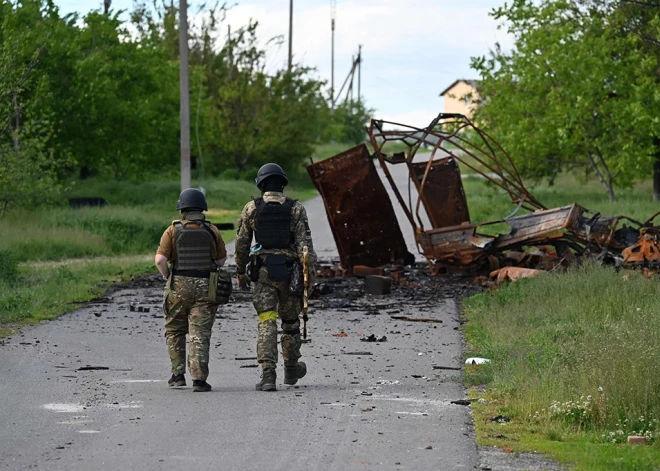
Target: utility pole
{"x":333,"y":15}
{"x":184,"y":95}
{"x":106,"y":6}
{"x":290,"y":33}
{"x":359,"y":71}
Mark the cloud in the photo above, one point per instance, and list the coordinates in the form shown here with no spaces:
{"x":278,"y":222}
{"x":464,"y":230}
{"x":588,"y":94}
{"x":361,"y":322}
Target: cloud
{"x":412,"y":49}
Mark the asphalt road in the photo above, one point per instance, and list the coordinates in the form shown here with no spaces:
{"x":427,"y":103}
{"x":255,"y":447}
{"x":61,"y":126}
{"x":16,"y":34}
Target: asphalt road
{"x":361,"y":405}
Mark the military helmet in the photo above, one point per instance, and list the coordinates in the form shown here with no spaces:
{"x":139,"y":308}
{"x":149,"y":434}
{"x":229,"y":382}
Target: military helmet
{"x":270,"y":170}
{"x":191,"y":198}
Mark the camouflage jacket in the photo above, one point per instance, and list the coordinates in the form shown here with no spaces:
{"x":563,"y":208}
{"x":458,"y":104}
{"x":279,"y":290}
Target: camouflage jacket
{"x":299,"y":228}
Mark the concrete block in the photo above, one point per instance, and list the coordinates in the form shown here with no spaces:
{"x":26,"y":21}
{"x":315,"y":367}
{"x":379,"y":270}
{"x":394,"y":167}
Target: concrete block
{"x":378,"y":284}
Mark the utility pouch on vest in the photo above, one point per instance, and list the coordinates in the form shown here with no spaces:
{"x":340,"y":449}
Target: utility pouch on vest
{"x":224,"y":287}
{"x":277,"y":269}
{"x":213,"y":285}
{"x":220,"y":287}
{"x":296,"y":282}
{"x":252,"y":269}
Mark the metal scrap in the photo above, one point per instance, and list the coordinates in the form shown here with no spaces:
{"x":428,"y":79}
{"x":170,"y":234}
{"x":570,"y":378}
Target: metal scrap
{"x":360,"y":213}
{"x":434,"y":202}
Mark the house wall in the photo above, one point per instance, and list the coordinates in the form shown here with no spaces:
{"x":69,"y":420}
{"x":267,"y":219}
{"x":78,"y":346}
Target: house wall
{"x":454,"y":101}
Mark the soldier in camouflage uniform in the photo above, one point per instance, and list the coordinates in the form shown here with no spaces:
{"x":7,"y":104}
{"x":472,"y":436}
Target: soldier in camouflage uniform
{"x":194,"y":248}
{"x":281,"y":231}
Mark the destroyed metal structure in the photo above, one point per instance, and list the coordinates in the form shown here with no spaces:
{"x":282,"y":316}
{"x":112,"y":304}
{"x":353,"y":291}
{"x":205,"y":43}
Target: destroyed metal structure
{"x":433,"y":200}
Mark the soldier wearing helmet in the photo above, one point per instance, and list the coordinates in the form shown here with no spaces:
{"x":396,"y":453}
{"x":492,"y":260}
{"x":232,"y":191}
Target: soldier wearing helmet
{"x":280,"y":229}
{"x":194,"y":249}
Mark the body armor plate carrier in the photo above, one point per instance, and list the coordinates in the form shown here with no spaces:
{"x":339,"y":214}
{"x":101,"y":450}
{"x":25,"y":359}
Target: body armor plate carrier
{"x":194,"y":246}
{"x":273,"y":224}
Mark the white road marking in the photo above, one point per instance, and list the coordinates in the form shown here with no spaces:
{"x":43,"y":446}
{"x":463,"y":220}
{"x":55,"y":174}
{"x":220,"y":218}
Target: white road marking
{"x":68,"y":408}
{"x":138,"y":381}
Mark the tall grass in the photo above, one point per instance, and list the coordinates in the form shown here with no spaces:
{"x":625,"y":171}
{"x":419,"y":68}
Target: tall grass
{"x":37,"y":283}
{"x":43,"y":292}
{"x":579,"y":348}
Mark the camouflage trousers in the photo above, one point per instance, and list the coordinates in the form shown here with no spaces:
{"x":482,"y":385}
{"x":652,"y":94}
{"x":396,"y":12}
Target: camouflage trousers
{"x":272,"y":299}
{"x":188,"y":311}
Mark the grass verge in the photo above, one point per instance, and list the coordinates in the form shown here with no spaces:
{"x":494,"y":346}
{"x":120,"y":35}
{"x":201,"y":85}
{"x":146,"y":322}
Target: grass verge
{"x":43,"y":292}
{"x":574,"y":365}
{"x":53,"y":258}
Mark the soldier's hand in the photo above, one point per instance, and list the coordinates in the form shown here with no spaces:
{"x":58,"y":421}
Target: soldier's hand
{"x":243,"y":281}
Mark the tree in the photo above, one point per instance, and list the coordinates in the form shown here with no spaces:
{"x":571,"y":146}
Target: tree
{"x":562,"y":98}
{"x":28,"y":169}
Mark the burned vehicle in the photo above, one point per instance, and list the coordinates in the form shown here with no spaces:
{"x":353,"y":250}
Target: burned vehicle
{"x":432,"y":198}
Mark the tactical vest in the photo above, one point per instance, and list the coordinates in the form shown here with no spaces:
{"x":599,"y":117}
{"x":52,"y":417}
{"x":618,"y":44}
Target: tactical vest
{"x":273,"y":224}
{"x":194,"y":246}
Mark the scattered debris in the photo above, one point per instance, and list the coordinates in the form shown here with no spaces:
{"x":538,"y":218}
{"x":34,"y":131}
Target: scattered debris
{"x":135,"y":306}
{"x":462,"y":402}
{"x":368,"y":236}
{"x":378,"y":285}
{"x":340,"y":334}
{"x":514,"y":273}
{"x":416,"y":319}
{"x":373,"y":338}
{"x":636,"y":440}
{"x":440,"y":367}
{"x":245,"y":358}
{"x":476,"y":361}
{"x":337,"y":304}
{"x":362,"y":271}
{"x":357,"y":353}
{"x":500,"y":419}
{"x":249,"y":366}
{"x":92,"y":368}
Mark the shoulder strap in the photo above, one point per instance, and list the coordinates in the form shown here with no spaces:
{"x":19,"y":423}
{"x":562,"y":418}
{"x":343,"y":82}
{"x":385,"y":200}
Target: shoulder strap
{"x":207,"y":226}
{"x":258,"y":204}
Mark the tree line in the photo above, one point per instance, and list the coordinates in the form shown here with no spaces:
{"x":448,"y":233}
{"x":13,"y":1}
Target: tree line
{"x":99,"y":95}
{"x":579,"y":91}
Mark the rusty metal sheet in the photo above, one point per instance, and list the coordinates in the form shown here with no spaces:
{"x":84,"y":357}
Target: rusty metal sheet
{"x":462,"y":245}
{"x":442,"y":192}
{"x":459,"y":245}
{"x":359,"y":210}
{"x":538,"y":226}
{"x":645,"y":251}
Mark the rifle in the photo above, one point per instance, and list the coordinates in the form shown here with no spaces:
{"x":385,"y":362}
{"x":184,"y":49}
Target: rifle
{"x":305,"y":265}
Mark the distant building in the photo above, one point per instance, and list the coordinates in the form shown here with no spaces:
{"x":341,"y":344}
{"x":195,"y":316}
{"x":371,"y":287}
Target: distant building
{"x":460,"y":97}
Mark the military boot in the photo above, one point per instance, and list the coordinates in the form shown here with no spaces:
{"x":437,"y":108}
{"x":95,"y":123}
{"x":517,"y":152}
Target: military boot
{"x":176,"y":381}
{"x":294,"y":372}
{"x":200,"y":386}
{"x":268,"y":379}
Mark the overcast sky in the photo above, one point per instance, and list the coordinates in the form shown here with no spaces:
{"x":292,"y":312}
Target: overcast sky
{"x":411,"y":49}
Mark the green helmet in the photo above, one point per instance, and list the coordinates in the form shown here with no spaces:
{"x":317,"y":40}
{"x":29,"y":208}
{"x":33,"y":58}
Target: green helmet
{"x":270,"y":170}
{"x":192,"y":198}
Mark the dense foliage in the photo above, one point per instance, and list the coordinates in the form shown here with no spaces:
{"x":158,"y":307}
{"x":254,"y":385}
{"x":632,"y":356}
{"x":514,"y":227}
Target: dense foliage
{"x":98,"y":95}
{"x":579,"y":89}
